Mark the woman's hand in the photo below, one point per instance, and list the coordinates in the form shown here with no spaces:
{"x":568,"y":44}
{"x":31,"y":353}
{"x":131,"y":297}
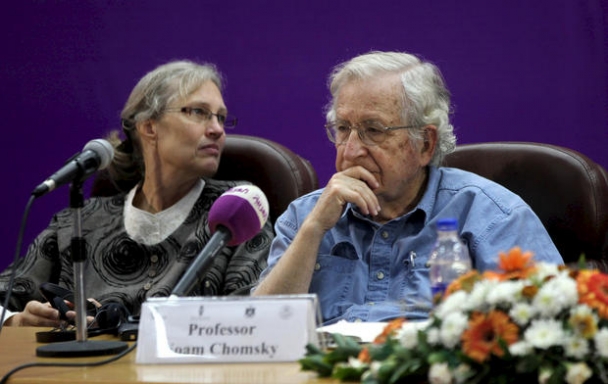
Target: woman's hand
{"x":35,"y":314}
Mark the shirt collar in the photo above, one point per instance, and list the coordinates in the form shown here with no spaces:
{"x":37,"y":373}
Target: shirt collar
{"x":429,"y":198}
{"x":152,"y":228}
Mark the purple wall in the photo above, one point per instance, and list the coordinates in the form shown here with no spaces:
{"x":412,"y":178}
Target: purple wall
{"x":518,"y":70}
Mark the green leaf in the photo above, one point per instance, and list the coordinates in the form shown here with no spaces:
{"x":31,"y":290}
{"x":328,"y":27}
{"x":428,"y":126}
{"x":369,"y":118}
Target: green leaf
{"x":341,"y":354}
{"x":582,"y":262}
{"x":346,"y":342}
{"x":481,"y":376}
{"x":530,"y":364}
{"x":505,"y":348}
{"x":406,"y":370}
{"x":386,"y":370}
{"x":600,"y":369}
{"x":380,"y":352}
{"x":423,"y":345}
{"x":436,"y":357}
{"x":348,"y":373}
{"x":317,"y":364}
{"x":557,"y":377}
{"x":403,"y":353}
{"x":369,"y":378}
{"x":312,"y":349}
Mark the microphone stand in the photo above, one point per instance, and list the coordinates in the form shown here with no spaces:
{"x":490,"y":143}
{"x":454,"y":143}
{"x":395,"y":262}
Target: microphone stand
{"x":81,"y":346}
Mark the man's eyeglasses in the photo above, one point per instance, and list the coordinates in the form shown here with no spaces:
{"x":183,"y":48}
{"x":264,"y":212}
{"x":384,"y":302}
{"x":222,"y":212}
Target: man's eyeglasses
{"x":203,"y":115}
{"x":371,"y":133}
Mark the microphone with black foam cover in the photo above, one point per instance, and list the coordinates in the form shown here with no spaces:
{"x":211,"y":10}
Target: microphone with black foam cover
{"x":96,"y":154}
{"x":235,"y":217}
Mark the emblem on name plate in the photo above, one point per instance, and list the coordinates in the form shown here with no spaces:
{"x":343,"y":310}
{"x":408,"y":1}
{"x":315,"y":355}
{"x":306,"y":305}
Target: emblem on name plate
{"x":286,"y":312}
{"x":250,"y":312}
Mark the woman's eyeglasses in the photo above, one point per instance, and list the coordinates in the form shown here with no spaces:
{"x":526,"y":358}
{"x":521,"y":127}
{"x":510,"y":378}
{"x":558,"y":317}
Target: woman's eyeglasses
{"x":203,"y":115}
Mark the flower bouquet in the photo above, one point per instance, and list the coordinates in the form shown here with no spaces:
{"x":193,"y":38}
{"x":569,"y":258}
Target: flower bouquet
{"x":528,"y":322}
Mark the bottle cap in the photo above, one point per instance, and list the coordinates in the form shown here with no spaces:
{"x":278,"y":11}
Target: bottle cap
{"x":447,"y":224}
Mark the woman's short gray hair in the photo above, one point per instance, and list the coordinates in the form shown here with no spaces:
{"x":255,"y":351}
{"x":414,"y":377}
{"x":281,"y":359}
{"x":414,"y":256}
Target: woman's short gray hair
{"x":426,"y":100}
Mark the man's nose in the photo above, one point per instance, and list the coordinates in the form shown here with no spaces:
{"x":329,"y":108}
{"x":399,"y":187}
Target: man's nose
{"x":354,"y":146}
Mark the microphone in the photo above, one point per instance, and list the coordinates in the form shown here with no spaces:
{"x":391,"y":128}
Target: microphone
{"x":235,"y":217}
{"x":96,"y":154}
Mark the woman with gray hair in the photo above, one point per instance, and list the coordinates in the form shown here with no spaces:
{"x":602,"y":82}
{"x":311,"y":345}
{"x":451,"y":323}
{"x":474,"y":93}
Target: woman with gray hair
{"x":362,"y":243}
{"x":141,"y":241}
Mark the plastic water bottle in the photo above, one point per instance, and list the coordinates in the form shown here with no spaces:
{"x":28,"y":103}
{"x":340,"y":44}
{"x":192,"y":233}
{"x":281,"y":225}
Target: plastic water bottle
{"x":449,"y":257}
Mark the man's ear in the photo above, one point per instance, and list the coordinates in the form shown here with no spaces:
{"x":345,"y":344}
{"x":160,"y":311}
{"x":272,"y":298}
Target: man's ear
{"x":429,"y":143}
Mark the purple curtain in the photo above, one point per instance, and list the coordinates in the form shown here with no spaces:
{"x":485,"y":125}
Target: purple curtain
{"x":518,"y":70}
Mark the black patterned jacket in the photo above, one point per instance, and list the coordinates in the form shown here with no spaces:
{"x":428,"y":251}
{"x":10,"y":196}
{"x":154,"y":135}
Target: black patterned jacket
{"x":119,"y":269}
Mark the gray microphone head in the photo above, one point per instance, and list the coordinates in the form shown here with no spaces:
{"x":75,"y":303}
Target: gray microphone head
{"x":103,"y":149}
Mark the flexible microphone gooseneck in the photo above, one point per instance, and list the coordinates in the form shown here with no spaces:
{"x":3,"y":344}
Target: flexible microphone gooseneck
{"x":236,"y":216}
{"x":96,"y":154}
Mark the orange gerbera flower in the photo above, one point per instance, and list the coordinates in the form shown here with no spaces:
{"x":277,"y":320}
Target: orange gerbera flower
{"x":480,"y":340}
{"x":364,"y":356}
{"x":514,"y":264}
{"x":592,"y":288}
{"x":464,"y":282}
{"x":389,"y":329}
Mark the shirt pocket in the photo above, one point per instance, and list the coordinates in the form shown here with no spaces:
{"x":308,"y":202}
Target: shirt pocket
{"x":416,"y":289}
{"x":334,"y":278}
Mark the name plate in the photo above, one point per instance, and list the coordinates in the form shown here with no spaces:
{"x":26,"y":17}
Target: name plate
{"x":226,"y":329}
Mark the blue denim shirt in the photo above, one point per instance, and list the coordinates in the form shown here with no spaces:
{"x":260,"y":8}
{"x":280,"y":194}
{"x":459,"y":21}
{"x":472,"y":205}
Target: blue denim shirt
{"x":366,"y":271}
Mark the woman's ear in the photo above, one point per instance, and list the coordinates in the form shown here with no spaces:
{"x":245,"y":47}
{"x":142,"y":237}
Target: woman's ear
{"x":147,"y":131}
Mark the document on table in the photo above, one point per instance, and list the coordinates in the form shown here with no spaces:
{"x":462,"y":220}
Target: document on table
{"x":367,"y":332}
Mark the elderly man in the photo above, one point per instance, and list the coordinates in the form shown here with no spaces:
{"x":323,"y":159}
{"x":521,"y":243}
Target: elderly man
{"x":362,"y":243}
